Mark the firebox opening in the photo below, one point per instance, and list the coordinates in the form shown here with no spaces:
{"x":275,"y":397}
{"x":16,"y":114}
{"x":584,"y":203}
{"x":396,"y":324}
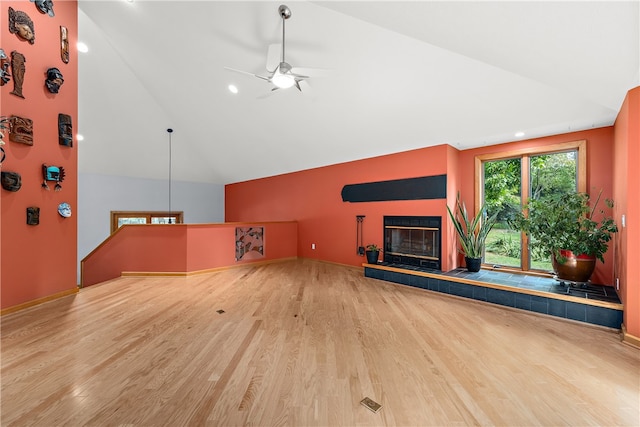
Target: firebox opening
{"x":413,"y":240}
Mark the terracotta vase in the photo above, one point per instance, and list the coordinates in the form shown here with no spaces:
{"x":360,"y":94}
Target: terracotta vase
{"x":576,"y":269}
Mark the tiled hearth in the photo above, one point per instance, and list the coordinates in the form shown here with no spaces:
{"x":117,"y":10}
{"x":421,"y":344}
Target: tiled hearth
{"x":598,"y":305}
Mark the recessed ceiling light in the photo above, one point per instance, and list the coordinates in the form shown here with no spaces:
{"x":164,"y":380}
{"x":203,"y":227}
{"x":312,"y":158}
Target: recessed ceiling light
{"x":82,"y":47}
{"x":233,"y":89}
{"x":79,"y":137}
{"x":519,"y":134}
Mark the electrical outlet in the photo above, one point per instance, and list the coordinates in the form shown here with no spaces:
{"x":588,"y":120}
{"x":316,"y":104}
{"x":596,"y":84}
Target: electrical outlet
{"x":313,"y":246}
{"x":617,"y":284}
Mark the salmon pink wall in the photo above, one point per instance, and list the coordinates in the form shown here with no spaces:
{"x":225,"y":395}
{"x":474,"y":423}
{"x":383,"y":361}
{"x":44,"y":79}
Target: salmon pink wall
{"x":180,"y":248}
{"x":454,"y":257}
{"x":313,"y":199}
{"x":209,"y":245}
{"x":626,"y":191}
{"x":39,"y":261}
{"x":600,"y":151}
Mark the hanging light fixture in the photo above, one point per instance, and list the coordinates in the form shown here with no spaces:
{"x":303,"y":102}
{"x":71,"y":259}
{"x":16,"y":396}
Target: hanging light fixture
{"x":170,"y":131}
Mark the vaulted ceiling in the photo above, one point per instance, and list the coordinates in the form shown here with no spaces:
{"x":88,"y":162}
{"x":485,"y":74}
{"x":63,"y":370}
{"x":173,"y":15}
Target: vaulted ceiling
{"x":399,"y":76}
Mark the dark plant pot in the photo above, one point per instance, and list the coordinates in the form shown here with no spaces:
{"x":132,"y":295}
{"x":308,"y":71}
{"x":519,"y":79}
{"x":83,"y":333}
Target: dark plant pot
{"x":372,"y":257}
{"x":575,"y":268}
{"x":473,"y":264}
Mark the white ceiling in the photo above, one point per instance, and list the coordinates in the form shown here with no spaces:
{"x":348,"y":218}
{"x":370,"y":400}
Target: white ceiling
{"x":403,"y":75}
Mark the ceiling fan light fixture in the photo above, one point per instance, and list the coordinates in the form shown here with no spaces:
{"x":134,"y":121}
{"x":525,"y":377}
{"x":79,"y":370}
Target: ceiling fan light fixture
{"x":283,"y":81}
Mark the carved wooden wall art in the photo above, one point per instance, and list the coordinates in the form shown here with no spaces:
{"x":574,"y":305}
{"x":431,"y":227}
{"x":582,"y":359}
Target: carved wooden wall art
{"x":64,"y":44}
{"x":11,"y":181}
{"x":52,"y":173}
{"x":4,"y":124}
{"x":33,"y":215}
{"x":45,"y":6}
{"x":21,"y":130}
{"x":5,"y":76}
{"x":21,"y":25}
{"x":65,"y":130}
{"x":54,"y":80}
{"x":18,"y":68}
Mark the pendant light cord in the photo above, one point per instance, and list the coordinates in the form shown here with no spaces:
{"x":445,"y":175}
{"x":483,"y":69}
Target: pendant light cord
{"x":170,"y":131}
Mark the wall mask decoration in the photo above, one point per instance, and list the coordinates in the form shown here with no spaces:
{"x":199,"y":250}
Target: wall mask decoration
{"x":65,"y":130}
{"x":5,"y":76}
{"x":11,"y":181}
{"x":45,"y":6}
{"x":64,"y":209}
{"x":4,"y":125}
{"x":21,"y":130}
{"x":54,"y":80}
{"x":17,"y":65}
{"x":64,"y":44}
{"x":52,"y":173}
{"x":33,"y":215}
{"x":21,"y":25}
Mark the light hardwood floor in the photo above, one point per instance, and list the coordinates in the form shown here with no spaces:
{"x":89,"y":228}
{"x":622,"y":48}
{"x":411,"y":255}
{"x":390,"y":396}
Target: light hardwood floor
{"x":301,"y":343}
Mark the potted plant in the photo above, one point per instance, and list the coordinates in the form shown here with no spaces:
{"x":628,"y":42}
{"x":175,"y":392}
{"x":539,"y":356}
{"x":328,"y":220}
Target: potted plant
{"x":472,"y":233}
{"x":372,"y":251}
{"x":570,"y":230}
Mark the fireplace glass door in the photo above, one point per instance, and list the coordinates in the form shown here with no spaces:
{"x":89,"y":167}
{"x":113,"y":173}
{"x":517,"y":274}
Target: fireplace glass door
{"x":412,"y":241}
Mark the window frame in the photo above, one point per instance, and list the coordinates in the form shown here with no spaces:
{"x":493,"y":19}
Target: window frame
{"x":525,"y":155}
{"x":115,"y":215}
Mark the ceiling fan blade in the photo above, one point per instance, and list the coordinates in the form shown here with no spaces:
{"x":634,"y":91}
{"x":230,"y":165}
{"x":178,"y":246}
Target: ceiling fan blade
{"x":304,"y":87}
{"x":268,"y":94}
{"x":247,"y":73}
{"x":273,"y":56}
{"x":311,"y":72}
{"x":299,"y":76}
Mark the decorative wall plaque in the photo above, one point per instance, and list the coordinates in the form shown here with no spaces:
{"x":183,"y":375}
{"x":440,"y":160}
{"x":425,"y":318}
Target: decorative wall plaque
{"x":249,"y":242}
{"x":11,"y":181}
{"x":45,"y":6}
{"x":21,"y":130}
{"x":54,"y":80}
{"x":64,"y":44}
{"x":52,"y":173}
{"x":21,"y":25}
{"x":18,"y":68}
{"x":33,"y":215}
{"x":65,"y":130}
{"x":5,"y":76}
{"x":64,"y":209}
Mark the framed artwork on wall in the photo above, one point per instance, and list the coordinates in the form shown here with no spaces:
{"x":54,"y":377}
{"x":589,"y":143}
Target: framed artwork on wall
{"x":249,"y":243}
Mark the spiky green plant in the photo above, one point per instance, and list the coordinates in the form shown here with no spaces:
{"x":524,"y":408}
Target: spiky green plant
{"x":472,"y":232}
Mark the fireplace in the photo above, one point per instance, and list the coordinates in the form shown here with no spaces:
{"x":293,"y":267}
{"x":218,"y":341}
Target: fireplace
{"x":413,"y":240}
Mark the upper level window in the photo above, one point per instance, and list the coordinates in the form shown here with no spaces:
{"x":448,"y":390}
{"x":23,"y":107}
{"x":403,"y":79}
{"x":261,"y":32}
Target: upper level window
{"x":119,"y":218}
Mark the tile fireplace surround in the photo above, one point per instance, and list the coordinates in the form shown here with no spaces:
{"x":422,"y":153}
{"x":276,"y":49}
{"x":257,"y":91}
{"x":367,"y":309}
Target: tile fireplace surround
{"x":594,"y":304}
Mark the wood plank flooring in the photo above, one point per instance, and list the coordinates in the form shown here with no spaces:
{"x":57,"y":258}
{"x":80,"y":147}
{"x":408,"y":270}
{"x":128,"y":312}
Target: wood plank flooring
{"x":300,"y":343}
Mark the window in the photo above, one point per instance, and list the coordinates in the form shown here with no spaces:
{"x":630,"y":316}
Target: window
{"x":119,"y":218}
{"x":502,"y":180}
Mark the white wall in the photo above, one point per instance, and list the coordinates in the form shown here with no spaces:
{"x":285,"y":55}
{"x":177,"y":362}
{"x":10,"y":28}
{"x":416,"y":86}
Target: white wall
{"x":98,"y":195}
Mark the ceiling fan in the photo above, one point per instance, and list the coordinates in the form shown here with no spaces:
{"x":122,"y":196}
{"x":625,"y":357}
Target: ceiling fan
{"x":280,"y":73}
